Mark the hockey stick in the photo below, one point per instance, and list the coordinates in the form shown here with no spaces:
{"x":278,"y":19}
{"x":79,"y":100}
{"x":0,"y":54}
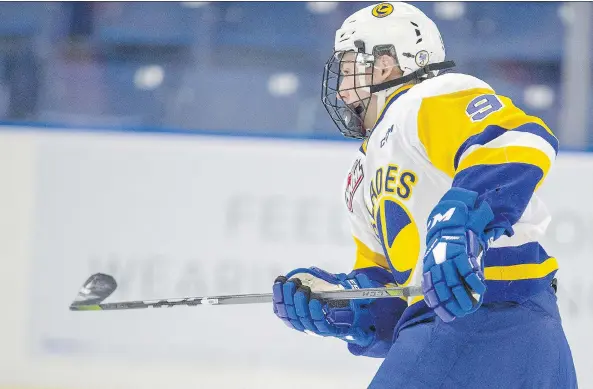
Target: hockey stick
{"x":100,"y":286}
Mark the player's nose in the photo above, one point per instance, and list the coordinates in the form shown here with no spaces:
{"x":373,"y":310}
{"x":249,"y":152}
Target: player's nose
{"x":345,"y":95}
{"x":344,"y":91}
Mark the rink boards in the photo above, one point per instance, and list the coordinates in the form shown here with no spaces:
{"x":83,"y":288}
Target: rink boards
{"x":173,"y":215}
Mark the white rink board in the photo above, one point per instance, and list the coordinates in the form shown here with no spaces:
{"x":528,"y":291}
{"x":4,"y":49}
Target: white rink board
{"x":172,"y":215}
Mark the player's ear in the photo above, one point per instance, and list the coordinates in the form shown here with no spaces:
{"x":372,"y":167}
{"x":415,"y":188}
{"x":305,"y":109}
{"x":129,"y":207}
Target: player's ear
{"x":387,"y":66}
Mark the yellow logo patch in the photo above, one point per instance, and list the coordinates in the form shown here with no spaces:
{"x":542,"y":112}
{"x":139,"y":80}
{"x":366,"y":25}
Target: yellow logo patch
{"x":382,"y":10}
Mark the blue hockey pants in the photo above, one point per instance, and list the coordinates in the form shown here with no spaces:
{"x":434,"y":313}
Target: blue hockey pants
{"x":500,"y":346}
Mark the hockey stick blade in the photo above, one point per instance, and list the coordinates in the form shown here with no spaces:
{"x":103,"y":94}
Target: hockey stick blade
{"x":350,"y":294}
{"x":95,"y":290}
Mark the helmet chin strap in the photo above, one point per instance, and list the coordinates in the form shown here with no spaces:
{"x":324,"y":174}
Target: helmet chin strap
{"x":418,"y":74}
{"x":387,"y":88}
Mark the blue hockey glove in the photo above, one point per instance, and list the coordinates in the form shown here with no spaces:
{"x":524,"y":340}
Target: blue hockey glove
{"x":299,"y":309}
{"x":453,"y":274}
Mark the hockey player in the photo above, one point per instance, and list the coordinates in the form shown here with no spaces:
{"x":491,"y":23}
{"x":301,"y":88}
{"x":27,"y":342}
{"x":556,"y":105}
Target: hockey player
{"x":441,"y":194}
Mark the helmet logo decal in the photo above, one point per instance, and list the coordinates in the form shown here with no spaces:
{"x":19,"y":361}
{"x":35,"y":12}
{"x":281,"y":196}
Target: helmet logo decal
{"x":382,"y":10}
{"x":422,"y":58}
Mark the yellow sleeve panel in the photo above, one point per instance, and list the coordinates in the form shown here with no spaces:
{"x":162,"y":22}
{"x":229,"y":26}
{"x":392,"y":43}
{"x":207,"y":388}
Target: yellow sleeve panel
{"x":445,"y":127}
{"x":523,"y":271}
{"x":365,"y":257}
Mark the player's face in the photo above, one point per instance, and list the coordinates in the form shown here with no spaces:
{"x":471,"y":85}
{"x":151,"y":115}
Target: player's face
{"x":348,"y":77}
{"x":354,"y":80}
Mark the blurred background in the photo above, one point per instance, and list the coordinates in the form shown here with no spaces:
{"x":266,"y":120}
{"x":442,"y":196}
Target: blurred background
{"x":183,"y":148}
{"x":167,"y":64}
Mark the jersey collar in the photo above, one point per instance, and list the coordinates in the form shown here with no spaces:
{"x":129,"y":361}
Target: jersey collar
{"x":392,"y":97}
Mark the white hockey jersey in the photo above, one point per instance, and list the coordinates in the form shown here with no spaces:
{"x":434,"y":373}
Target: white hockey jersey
{"x":452,"y":130}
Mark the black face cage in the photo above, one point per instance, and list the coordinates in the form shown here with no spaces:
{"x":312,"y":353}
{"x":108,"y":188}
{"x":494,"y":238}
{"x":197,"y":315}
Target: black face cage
{"x":348,"y":117}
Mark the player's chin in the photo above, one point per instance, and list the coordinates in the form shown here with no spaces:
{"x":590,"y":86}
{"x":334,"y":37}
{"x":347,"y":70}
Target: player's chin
{"x":355,"y":109}
{"x":358,"y":110}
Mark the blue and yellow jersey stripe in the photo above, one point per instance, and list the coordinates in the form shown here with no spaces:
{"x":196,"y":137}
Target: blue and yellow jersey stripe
{"x":515,"y":273}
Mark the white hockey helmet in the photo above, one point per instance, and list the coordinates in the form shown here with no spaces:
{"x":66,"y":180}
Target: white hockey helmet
{"x":394,"y":28}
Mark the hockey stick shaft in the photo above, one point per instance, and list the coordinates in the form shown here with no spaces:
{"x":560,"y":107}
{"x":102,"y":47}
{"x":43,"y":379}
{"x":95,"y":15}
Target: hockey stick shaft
{"x":349,"y":294}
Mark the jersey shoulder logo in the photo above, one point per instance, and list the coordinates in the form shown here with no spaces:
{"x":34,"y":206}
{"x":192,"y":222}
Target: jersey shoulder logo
{"x":353,"y":181}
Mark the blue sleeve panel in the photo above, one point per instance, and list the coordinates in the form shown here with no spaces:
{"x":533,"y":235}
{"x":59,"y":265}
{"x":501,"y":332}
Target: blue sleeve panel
{"x":507,"y":188}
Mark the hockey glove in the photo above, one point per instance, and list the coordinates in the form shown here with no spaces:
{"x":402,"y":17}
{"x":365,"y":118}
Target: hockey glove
{"x":453,"y":275}
{"x":350,"y":320}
